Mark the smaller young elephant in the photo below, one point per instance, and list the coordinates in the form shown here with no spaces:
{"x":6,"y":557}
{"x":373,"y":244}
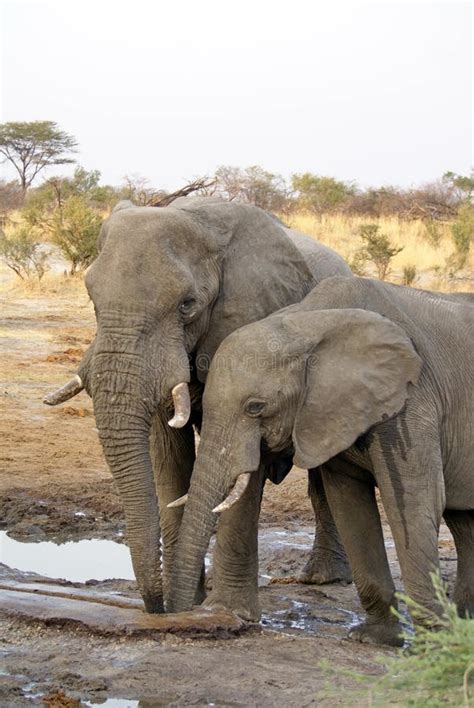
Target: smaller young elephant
{"x":373,"y":383}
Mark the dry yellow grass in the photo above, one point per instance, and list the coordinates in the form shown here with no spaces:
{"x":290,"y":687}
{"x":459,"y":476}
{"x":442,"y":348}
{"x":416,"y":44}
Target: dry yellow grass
{"x":342,"y":234}
{"x":336,"y":231}
{"x":51,"y":284}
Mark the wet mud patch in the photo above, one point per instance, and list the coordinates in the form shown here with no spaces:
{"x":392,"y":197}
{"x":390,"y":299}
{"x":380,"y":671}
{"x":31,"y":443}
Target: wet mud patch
{"x":60,"y":513}
{"x":305,"y":610}
{"x":104,"y":617}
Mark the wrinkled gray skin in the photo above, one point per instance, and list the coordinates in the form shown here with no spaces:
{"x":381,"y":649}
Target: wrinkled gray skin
{"x":332,"y":387}
{"x":229,"y":265}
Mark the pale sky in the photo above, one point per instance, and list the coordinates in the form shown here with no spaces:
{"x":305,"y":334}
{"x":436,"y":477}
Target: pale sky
{"x":378,"y":92}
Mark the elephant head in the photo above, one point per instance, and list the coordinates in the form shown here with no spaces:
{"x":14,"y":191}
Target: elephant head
{"x":303,"y":379}
{"x":167,"y":284}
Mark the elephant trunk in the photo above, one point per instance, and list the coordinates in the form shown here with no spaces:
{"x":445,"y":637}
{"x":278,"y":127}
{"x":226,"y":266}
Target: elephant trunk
{"x":210,"y":483}
{"x":123,"y":417}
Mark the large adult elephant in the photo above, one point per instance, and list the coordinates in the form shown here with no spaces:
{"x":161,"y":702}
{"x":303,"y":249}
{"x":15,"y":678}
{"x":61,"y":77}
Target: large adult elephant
{"x":168,"y":286}
{"x":373,"y":382}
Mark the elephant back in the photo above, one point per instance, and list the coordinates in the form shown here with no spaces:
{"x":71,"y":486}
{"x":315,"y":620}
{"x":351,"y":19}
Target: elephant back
{"x":322,"y":260}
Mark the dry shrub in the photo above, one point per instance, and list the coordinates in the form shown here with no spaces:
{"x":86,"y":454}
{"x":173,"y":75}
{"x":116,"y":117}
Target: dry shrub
{"x":342,"y":233}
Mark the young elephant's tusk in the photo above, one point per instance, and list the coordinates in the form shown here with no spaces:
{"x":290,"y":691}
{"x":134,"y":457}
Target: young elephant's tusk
{"x":69,"y":390}
{"x":234,"y":495}
{"x":182,"y":406}
{"x":181,"y":501}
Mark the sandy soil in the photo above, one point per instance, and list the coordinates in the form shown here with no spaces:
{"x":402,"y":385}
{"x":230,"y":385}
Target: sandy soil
{"x":52,"y":468}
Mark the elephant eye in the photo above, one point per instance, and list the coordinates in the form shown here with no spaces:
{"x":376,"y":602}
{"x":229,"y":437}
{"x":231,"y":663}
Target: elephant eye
{"x":187,"y":306}
{"x":254,"y":408}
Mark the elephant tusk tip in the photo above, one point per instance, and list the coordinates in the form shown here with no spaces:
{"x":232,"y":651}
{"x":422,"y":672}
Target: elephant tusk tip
{"x":182,"y":405}
{"x":72,"y":388}
{"x":178,"y":421}
{"x":181,"y":501}
{"x":235,"y":494}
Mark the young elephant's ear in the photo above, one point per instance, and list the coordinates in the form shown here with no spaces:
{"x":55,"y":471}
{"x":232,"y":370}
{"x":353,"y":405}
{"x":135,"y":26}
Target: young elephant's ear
{"x":358,"y":369}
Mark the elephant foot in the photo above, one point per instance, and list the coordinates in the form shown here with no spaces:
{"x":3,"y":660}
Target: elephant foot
{"x":244,"y":604}
{"x":201,"y":589}
{"x":200,"y":595}
{"x":154,"y":605}
{"x":378,"y":633}
{"x":463,"y":598}
{"x":322,"y":569}
{"x":465,"y":608}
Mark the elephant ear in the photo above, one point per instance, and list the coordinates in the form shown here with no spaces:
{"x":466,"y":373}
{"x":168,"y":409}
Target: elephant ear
{"x":359,"y":366}
{"x":123,"y":204}
{"x":261,"y":269}
{"x":104,"y":229}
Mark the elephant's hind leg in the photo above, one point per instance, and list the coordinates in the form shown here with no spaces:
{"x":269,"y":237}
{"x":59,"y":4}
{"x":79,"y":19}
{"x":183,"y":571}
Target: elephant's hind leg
{"x":461,"y":525}
{"x":354,"y":507}
{"x":328,"y":561}
{"x":413,"y":495}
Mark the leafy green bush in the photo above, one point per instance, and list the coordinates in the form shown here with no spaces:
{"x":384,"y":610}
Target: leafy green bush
{"x":318,"y":194}
{"x":358,"y":262}
{"x":376,"y":250}
{"x":462,"y":233}
{"x":22,"y":253}
{"x":74,"y":229}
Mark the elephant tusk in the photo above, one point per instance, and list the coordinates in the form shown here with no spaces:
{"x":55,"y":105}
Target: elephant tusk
{"x":235,"y":493}
{"x":182,"y":406}
{"x":181,"y":501}
{"x":69,"y":390}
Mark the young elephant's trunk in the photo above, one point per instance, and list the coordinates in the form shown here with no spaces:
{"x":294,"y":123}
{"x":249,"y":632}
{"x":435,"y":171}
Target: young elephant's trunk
{"x":209,"y":485}
{"x":226,"y":456}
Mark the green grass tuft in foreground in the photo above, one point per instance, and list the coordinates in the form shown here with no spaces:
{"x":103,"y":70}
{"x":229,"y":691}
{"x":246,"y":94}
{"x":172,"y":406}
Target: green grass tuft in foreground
{"x":436,"y":669}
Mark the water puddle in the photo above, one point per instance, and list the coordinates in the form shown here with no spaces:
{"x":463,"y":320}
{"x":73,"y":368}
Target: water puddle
{"x":309,"y":618}
{"x":153,"y":702}
{"x":76,"y":561}
{"x":293,"y":539}
{"x":293,"y":612}
{"x":117,"y":703}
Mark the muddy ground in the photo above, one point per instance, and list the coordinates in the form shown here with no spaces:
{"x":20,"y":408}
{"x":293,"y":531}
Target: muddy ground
{"x":54,"y":486}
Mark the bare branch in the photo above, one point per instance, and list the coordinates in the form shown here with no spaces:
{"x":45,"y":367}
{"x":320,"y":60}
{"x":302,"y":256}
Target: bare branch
{"x":198,"y":185}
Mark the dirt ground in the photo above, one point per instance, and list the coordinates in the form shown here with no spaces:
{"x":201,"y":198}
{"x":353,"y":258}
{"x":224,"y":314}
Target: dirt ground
{"x":54,"y":485}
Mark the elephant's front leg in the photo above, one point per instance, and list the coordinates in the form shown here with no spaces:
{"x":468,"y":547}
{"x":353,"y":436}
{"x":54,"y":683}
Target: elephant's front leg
{"x":173,"y":455}
{"x":353,"y":504}
{"x":328,"y":561}
{"x":235,"y":558}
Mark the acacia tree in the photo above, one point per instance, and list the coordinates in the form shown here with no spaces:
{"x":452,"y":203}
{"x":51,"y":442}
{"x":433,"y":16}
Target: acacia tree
{"x":30,"y":147}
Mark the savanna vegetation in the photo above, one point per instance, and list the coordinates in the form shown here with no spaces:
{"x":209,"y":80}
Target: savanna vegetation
{"x":417,"y":236}
{"x":421,"y":236}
